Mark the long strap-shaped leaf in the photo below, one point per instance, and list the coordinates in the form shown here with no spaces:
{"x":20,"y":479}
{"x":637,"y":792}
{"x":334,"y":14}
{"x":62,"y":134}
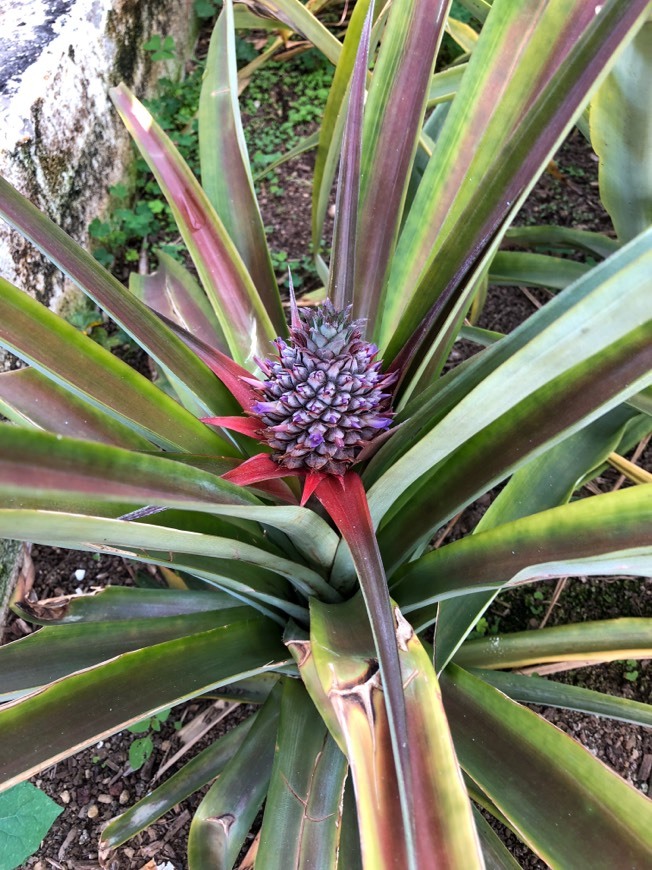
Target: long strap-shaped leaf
{"x":343,"y":651}
{"x":425,"y":411}
{"x":37,"y":466}
{"x":37,"y":463}
{"x":57,"y":651}
{"x":606,"y":640}
{"x":77,"y":531}
{"x":225,"y":170}
{"x":341,"y":285}
{"x":393,"y":117}
{"x":548,"y":693}
{"x":533,"y":66}
{"x":621,"y":134}
{"x":257,"y":587}
{"x":244,"y":321}
{"x":530,"y":490}
{"x":567,"y":806}
{"x":535,"y":270}
{"x":80,"y":365}
{"x":569,"y":374}
{"x":29,"y":398}
{"x":332,"y":123}
{"x":607,"y":533}
{"x":346,"y":503}
{"x":303,"y":813}
{"x":174,"y":293}
{"x":495,"y":853}
{"x":136,"y":319}
{"x":299,"y":18}
{"x":228,"y":810}
{"x":197,"y":773}
{"x":80,"y":710}
{"x":122,"y":602}
{"x":562,"y":237}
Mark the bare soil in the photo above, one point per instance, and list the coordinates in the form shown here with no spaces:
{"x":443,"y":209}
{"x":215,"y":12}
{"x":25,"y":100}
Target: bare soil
{"x":96,"y":785}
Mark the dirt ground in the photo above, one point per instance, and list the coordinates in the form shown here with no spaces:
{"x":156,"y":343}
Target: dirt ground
{"x":96,"y":785}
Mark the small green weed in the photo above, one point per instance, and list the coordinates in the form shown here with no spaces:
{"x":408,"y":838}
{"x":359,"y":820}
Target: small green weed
{"x":142,"y":747}
{"x":161,"y":47}
{"x":88,"y":318}
{"x":206,"y":8}
{"x":267,"y":133}
{"x":631,"y":671}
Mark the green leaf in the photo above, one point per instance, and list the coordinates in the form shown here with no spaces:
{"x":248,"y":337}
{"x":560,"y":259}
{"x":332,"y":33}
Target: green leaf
{"x":548,"y":693}
{"x":40,"y":463}
{"x":445,"y":84}
{"x":225,"y":170}
{"x":526,"y":80}
{"x":350,"y":856}
{"x":566,"y":805}
{"x":586,"y":355}
{"x":140,"y":727}
{"x":621,"y":134}
{"x":174,"y":292}
{"x":343,"y":650}
{"x":109,"y":535}
{"x":303,"y":145}
{"x":332,"y":123}
{"x":562,"y":237}
{"x":605,"y":640}
{"x":535,"y":270}
{"x":303,"y":813}
{"x":196,"y":773}
{"x":29,"y":398}
{"x":346,"y":503}
{"x":39,"y":469}
{"x":341,"y":282}
{"x":300,"y":19}
{"x":532,"y":489}
{"x":495,"y":853}
{"x":26,"y":815}
{"x":244,"y":321}
{"x":134,"y":317}
{"x":57,"y":651}
{"x":604,"y":534}
{"x":83,"y":367}
{"x":120,"y":602}
{"x":393,"y":116}
{"x":225,"y":815}
{"x":139,"y":751}
{"x":79,"y":710}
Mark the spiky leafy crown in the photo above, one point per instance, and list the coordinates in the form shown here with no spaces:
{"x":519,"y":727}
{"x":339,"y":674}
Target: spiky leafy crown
{"x":323,"y":399}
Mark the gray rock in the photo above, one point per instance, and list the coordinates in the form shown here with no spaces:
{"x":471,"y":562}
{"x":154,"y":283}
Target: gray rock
{"x":61,"y":142}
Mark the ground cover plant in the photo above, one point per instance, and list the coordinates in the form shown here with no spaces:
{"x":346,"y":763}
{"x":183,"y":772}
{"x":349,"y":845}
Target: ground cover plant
{"x":140,"y":222}
{"x":294,"y":522}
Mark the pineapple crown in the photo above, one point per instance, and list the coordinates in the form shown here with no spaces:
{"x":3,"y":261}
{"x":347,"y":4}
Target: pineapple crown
{"x":323,"y":399}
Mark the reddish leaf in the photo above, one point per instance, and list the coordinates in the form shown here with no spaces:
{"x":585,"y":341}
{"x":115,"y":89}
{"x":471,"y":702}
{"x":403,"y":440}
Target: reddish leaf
{"x":342,"y":269}
{"x":313,"y":479}
{"x":262,"y":472}
{"x":345,"y":501}
{"x":232,"y":375}
{"x":250,"y":426}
